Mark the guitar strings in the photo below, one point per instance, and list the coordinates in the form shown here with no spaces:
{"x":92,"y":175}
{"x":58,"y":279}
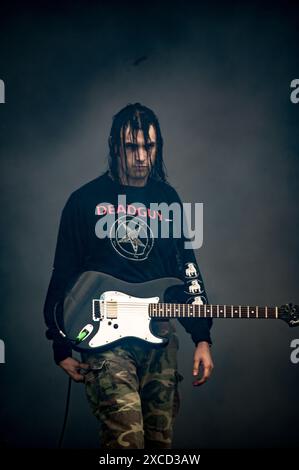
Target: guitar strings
{"x":199,"y":305}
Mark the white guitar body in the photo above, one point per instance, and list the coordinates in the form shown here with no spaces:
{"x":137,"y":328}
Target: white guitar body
{"x":123,"y":316}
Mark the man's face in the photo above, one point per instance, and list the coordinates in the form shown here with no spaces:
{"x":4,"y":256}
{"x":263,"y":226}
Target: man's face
{"x":140,"y":156}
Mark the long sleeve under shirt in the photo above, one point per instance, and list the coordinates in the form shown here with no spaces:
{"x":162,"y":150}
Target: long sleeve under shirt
{"x":83,"y":244}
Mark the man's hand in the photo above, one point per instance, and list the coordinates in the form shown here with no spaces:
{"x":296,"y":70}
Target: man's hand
{"x":71,"y":367}
{"x":202,"y":356}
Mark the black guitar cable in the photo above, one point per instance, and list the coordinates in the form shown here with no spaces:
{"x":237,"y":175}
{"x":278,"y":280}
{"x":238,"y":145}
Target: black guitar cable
{"x":67,"y":405}
{"x":68,"y":396}
{"x":81,"y":336}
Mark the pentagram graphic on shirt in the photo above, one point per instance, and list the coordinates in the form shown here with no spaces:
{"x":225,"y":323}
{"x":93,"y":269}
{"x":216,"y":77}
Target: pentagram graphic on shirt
{"x":132,"y":237}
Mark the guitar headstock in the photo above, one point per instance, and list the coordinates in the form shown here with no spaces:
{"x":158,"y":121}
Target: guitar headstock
{"x":290,"y":314}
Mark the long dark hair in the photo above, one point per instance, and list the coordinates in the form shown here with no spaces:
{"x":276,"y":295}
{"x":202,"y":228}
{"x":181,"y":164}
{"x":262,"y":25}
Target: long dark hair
{"x":138,"y":117}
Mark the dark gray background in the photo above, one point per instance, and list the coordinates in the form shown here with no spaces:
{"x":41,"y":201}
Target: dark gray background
{"x":218,"y":76}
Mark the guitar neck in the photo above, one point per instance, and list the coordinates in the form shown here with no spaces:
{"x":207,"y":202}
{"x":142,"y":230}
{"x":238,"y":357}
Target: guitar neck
{"x":165,"y":310}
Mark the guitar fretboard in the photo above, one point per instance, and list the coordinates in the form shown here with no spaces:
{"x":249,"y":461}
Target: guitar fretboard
{"x":165,"y":310}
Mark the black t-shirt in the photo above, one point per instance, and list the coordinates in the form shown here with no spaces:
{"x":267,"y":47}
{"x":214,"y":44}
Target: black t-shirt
{"x":113,"y":228}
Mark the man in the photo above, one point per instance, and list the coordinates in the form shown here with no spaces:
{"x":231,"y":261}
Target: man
{"x":132,"y":387}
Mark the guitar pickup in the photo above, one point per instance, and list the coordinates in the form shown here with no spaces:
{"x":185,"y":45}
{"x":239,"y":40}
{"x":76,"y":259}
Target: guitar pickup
{"x":111,"y":309}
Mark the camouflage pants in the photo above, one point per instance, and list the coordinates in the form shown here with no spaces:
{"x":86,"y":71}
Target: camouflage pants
{"x":133,"y":391}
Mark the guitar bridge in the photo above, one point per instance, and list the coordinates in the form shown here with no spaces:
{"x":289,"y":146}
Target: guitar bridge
{"x":97,"y":309}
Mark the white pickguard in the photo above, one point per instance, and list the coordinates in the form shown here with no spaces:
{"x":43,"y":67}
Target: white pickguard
{"x":132,"y":319}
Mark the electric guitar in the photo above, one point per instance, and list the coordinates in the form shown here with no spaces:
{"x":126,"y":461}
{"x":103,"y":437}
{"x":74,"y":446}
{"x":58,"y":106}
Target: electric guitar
{"x":99,"y":310}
